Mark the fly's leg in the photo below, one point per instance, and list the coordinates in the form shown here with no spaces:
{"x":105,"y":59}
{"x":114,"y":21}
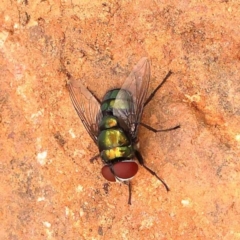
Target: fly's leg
{"x":128,"y":183}
{"x":129,"y":192}
{"x":161,"y":130}
{"x":150,"y":98}
{"x":94,"y":158}
{"x":157,"y":88}
{"x":140,"y":160}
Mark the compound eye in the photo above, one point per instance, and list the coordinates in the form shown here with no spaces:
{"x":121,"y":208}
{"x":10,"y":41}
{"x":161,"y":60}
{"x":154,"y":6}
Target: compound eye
{"x":107,"y":174}
{"x":125,"y":170}
{"x":122,"y":170}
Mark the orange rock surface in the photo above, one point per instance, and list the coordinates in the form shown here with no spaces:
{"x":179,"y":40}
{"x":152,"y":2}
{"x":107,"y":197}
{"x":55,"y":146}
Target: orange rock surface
{"x":49,"y":189}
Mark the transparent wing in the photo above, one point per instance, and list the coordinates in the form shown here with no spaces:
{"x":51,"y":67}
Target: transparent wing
{"x":137,"y":85}
{"x":87,"y":107}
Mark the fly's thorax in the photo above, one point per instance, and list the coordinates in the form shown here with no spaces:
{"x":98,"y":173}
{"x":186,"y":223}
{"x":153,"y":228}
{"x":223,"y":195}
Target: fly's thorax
{"x":108,"y":121}
{"x":113,"y":141}
{"x":116,"y":99}
{"x":111,"y":138}
{"x":112,"y":154}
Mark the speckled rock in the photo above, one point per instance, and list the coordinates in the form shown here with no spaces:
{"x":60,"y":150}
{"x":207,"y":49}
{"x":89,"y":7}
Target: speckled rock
{"x":49,"y":189}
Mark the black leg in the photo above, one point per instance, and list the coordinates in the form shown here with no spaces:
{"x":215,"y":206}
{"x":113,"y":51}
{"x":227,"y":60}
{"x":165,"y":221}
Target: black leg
{"x":94,"y":158}
{"x":161,"y":130}
{"x":127,"y":183}
{"x":157,"y":88}
{"x":140,"y":160}
{"x":129,"y":192}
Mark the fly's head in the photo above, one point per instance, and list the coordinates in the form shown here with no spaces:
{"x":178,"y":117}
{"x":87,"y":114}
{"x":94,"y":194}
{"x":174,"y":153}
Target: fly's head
{"x":120,"y":171}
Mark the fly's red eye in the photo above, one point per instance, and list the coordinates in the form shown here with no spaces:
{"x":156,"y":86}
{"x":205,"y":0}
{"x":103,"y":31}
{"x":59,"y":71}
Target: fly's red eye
{"x":125,"y":170}
{"x":107,"y":174}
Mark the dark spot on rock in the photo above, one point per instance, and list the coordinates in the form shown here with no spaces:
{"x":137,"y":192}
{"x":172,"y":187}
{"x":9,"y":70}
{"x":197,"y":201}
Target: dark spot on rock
{"x":100,"y":231}
{"x":59,"y":138}
{"x":105,"y":187}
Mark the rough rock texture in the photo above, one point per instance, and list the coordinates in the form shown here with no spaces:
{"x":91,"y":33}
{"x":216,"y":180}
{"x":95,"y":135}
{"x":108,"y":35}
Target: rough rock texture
{"x":49,"y":190}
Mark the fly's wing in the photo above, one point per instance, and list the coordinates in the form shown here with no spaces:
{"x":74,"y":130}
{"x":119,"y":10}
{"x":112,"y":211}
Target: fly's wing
{"x":137,"y":85}
{"x":87,"y":107}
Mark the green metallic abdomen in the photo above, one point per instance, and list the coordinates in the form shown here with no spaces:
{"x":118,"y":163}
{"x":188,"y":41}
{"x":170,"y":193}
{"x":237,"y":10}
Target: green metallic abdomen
{"x":113,"y":142}
{"x":124,"y":100}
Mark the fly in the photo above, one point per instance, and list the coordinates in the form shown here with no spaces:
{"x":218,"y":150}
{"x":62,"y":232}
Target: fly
{"x":113,"y":123}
